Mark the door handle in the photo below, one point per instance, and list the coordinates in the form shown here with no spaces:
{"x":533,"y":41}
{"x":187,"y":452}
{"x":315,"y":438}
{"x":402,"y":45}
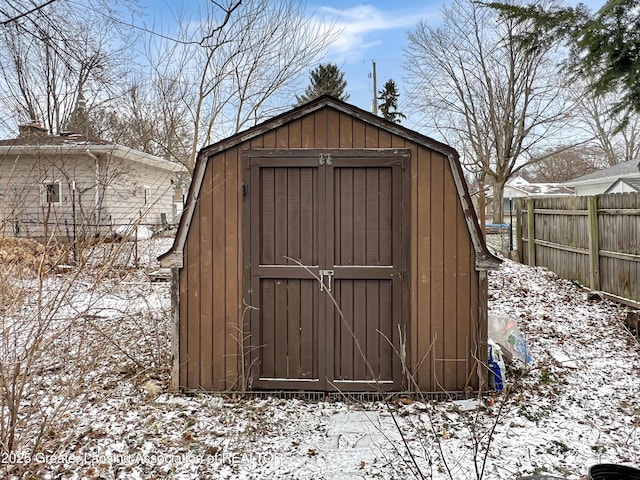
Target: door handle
{"x":329,"y":274}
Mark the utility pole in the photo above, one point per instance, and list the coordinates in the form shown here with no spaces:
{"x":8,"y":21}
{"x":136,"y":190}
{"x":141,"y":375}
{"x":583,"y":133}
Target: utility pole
{"x":374,"y":105}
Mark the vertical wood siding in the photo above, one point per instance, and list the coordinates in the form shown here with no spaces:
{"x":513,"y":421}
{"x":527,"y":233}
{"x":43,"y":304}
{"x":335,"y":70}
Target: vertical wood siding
{"x":446,"y":304}
{"x":445,"y":289}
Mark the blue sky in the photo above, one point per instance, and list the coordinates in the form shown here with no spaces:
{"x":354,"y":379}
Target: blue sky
{"x":377,"y":30}
{"x":370,"y":30}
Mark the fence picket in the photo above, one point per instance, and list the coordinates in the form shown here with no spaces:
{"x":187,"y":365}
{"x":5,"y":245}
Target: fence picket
{"x":593,"y":240}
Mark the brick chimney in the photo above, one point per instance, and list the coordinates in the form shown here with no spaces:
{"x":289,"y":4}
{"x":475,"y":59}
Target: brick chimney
{"x":32,"y":129}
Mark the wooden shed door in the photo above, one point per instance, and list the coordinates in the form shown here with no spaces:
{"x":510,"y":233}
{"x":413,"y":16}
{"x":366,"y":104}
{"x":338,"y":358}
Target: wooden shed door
{"x":326,"y":270}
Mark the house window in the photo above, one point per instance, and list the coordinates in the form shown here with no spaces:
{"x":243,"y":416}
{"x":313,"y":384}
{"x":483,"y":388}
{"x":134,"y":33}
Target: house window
{"x":52,"y":193}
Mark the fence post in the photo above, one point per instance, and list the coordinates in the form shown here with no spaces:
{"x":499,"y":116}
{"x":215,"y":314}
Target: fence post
{"x":519,"y":229}
{"x":531,"y":223}
{"x":594,"y":255}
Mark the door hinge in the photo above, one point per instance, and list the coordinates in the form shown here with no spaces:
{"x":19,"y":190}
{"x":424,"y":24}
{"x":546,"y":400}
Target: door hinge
{"x":325,"y":158}
{"x":245,"y":189}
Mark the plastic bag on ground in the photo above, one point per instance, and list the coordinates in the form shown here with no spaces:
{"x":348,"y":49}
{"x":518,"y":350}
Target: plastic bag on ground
{"x":505,"y":332}
{"x":496,"y":366}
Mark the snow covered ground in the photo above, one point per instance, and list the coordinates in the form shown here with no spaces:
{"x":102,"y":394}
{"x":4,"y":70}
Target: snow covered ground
{"x":96,"y":395}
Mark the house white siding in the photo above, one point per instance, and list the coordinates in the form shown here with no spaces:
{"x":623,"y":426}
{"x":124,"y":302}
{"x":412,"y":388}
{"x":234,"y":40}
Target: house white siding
{"x":25,"y":209}
{"x":601,"y":181}
{"x":91,"y":194}
{"x":143,"y":194}
{"x":593,"y":188}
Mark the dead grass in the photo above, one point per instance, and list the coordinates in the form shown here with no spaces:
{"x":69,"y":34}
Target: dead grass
{"x":25,"y":259}
{"x":23,"y":256}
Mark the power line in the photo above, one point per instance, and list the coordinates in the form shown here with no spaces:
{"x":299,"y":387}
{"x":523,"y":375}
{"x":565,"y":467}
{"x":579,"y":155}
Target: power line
{"x":33,"y":10}
{"x":228,"y":11}
{"x":133,"y":25}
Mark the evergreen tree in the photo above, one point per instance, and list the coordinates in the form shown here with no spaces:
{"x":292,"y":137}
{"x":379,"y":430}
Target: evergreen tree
{"x":389,"y":102}
{"x":79,"y":120}
{"x":326,"y":79}
{"x":604,"y":45}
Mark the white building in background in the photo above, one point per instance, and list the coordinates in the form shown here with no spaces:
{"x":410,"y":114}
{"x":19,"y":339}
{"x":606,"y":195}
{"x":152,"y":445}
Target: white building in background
{"x":71,"y":185}
{"x":520,"y":188}
{"x":620,"y":178}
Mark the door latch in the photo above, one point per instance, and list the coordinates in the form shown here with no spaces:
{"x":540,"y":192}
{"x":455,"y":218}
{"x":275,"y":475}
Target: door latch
{"x":329,"y":274}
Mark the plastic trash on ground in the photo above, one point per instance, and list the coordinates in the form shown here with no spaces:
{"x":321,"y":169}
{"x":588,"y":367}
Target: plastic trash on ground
{"x":496,"y":367}
{"x":505,"y":332}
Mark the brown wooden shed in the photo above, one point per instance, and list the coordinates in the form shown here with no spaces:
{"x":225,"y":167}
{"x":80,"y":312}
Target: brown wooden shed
{"x":329,"y":249}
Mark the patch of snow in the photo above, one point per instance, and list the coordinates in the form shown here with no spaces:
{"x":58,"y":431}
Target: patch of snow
{"x":134,"y":232}
{"x":575,"y":404}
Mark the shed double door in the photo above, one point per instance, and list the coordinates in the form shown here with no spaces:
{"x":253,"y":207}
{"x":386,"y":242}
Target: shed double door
{"x":326,"y":301}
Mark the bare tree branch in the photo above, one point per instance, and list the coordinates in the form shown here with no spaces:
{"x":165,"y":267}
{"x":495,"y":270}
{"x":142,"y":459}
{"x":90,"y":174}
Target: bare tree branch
{"x":21,"y":15}
{"x":496,"y":101}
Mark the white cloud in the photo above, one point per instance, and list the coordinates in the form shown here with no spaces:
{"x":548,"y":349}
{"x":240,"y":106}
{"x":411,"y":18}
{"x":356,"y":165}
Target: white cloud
{"x":363,"y":27}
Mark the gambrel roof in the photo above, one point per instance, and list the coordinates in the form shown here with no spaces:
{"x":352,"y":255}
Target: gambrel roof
{"x":484,"y":259}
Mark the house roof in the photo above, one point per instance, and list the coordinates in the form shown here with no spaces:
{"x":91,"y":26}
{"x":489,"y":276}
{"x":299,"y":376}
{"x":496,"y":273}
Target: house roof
{"x":630,"y":168}
{"x":70,"y":143}
{"x":539,"y":189}
{"x":484,"y":259}
{"x":633,"y":183}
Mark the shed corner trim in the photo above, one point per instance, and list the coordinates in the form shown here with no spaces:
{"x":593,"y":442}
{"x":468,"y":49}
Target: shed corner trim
{"x":171,"y":259}
{"x":484,"y":262}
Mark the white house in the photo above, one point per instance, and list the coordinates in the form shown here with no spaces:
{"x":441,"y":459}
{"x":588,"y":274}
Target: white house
{"x":623,"y":177}
{"x":518,"y":187}
{"x":625,"y":185}
{"x":72,"y":185}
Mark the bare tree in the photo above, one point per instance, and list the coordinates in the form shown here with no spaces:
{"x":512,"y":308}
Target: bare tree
{"x":54,"y":56}
{"x":616,"y":136}
{"x":148,"y":118}
{"x":563,"y":164}
{"x":500,"y":103}
{"x":227,"y":68}
{"x":236,"y":67}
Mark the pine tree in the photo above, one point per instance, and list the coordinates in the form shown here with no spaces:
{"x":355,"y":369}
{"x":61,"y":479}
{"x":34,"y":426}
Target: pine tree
{"x":80,"y":119}
{"x":389,"y":102}
{"x":604,"y":45}
{"x":326,"y":79}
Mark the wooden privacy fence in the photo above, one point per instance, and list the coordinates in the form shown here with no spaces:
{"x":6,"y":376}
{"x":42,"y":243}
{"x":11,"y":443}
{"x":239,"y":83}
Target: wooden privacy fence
{"x":593,"y":240}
